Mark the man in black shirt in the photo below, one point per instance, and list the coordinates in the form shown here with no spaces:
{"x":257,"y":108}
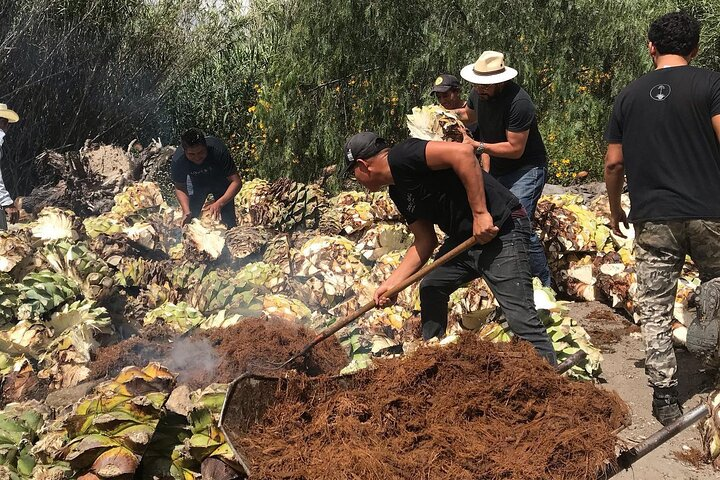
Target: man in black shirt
{"x":203,"y":167}
{"x":441,"y":183}
{"x":507,"y":130}
{"x":663,"y":136}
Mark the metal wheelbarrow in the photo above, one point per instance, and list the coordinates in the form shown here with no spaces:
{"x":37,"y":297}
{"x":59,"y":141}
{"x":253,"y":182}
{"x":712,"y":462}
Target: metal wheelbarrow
{"x":250,"y":395}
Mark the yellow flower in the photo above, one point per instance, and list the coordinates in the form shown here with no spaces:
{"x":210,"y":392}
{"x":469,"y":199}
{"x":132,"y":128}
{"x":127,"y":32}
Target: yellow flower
{"x":252,"y":109}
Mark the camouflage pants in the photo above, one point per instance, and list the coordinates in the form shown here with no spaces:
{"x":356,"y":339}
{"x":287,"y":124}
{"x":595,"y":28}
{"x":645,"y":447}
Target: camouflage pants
{"x":660,"y":250}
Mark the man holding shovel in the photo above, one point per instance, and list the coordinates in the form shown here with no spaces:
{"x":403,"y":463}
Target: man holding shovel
{"x":8,"y":211}
{"x":441,"y":183}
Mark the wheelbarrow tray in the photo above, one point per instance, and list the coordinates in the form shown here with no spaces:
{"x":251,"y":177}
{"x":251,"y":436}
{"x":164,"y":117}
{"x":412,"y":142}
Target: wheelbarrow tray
{"x":250,"y":396}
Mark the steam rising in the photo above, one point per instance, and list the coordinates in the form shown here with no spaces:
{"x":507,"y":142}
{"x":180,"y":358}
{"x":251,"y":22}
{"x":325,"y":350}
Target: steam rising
{"x":192,"y":356}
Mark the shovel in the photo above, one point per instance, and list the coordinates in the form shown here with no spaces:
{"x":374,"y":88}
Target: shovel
{"x":330,"y":331}
{"x":627,"y":458}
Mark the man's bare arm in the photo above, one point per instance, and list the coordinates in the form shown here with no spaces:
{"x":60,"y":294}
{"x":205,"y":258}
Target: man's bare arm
{"x":614,"y":179}
{"x":417,"y":255}
{"x":461,"y":158}
{"x":512,"y":149}
{"x":181,"y":192}
{"x":716,"y":126}
{"x":232,"y":190}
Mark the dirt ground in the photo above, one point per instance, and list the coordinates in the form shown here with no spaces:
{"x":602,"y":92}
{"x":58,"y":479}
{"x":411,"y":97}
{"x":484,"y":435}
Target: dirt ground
{"x":623,"y":371}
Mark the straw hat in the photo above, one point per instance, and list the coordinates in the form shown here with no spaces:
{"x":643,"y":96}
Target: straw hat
{"x":488,"y":69}
{"x":5,"y":112}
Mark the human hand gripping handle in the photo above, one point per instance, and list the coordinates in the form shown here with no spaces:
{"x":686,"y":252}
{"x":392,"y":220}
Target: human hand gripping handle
{"x":380,"y":297}
{"x":484,"y":229}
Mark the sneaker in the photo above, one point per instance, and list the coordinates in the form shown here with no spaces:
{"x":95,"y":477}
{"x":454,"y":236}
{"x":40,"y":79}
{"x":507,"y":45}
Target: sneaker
{"x":665,"y":406}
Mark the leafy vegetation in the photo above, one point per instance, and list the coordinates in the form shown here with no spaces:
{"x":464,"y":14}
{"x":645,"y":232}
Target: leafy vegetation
{"x":284,"y":82}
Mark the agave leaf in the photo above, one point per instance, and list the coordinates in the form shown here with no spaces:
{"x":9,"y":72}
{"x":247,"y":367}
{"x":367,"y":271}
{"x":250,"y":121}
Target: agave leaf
{"x":116,"y":462}
{"x":82,"y":451}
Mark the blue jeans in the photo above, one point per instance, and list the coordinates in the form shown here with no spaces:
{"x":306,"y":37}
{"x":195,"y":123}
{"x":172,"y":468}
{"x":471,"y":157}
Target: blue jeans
{"x":527,"y":184}
{"x":503,"y":263}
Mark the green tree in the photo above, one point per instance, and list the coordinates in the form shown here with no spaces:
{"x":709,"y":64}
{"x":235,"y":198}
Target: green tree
{"x":97,"y":69}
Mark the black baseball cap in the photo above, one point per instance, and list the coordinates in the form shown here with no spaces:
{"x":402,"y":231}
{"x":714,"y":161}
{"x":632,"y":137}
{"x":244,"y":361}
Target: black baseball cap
{"x":362,"y":145}
{"x":445,"y":82}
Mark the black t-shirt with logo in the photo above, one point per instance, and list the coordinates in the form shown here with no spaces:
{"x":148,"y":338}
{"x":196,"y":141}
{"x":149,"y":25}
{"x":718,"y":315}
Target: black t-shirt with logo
{"x":211,"y":175}
{"x":439,"y":196}
{"x":510,"y":111}
{"x":672,"y":159}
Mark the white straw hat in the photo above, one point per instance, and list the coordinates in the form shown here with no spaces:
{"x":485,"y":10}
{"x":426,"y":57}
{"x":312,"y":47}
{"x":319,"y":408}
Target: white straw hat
{"x":5,"y":112}
{"x":489,"y":69}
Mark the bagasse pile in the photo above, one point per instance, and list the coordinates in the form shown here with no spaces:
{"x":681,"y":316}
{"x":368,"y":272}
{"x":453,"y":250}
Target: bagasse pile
{"x":113,"y":282}
{"x":472,"y":410}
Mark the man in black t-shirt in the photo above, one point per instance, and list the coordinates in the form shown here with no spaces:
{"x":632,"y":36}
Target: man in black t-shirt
{"x":441,"y":183}
{"x":203,"y":167}
{"x":664,"y":137}
{"x":507,"y":130}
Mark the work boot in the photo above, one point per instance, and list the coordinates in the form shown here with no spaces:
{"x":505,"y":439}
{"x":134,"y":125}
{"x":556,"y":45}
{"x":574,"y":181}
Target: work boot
{"x":665,"y":406}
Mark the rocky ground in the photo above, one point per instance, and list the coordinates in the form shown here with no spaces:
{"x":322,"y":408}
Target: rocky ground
{"x":623,"y":371}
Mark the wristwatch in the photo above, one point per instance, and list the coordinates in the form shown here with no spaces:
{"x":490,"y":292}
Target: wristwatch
{"x":480,"y":149}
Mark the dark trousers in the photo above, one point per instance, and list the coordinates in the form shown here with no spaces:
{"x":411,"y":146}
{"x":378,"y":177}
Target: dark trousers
{"x":503,"y":264}
{"x":3,"y":220}
{"x":527,"y":185}
{"x":227,"y":213}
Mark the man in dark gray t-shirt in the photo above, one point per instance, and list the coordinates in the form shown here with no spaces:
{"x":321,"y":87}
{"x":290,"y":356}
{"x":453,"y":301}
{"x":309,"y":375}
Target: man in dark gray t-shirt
{"x":203,"y":167}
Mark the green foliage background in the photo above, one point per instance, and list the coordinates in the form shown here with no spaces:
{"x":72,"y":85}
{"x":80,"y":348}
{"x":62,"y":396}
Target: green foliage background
{"x":284,"y":82}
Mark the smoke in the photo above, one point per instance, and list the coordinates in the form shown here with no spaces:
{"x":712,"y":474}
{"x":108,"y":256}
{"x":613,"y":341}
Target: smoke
{"x":193,"y":358}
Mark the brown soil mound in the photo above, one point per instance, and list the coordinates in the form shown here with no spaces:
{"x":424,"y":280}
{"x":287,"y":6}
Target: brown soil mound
{"x":152,"y":344}
{"x":257,"y":344}
{"x":109,"y":161}
{"x":471,"y":411}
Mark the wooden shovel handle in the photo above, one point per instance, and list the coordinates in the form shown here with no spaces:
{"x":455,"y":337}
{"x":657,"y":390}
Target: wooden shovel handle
{"x":328,"y":332}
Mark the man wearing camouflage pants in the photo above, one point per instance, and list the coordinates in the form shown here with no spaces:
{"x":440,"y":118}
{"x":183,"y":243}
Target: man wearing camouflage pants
{"x":664,"y":136}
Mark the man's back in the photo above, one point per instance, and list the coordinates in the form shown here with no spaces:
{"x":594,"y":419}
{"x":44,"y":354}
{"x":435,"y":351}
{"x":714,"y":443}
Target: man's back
{"x":670,"y":150}
{"x":438,"y":195}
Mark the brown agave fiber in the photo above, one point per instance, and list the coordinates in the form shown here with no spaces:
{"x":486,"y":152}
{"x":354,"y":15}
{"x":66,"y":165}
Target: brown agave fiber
{"x":470,"y":411}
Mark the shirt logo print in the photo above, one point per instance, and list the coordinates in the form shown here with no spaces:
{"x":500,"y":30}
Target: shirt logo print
{"x":202,"y":171}
{"x":660,"y":92}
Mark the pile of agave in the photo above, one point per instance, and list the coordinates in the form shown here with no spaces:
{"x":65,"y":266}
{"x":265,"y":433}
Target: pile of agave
{"x":69,"y":285}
